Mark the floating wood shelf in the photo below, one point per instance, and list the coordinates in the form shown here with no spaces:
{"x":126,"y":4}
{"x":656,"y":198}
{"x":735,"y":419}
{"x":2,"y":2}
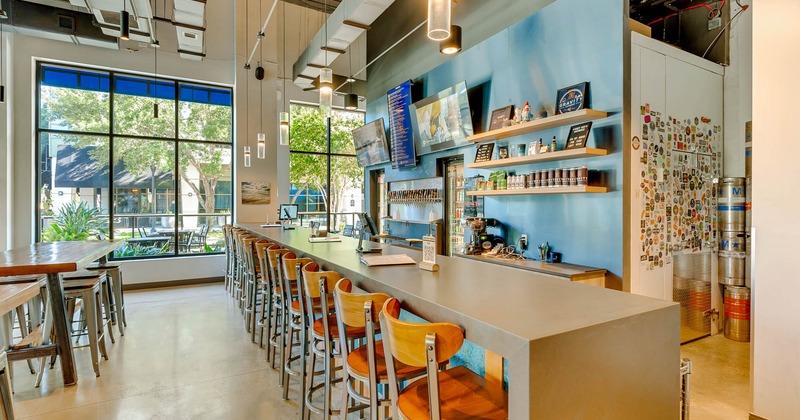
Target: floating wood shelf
{"x":544,"y":157}
{"x":542,"y":190}
{"x":575,"y":117}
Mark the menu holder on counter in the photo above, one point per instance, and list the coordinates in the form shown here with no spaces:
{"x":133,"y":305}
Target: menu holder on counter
{"x":383,"y":260}
{"x":429,"y":254}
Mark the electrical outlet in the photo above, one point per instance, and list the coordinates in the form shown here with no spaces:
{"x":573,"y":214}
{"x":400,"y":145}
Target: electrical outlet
{"x":523,"y":241}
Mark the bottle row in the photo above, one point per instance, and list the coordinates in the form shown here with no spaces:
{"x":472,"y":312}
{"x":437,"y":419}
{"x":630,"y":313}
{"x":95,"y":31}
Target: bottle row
{"x":541,"y":178}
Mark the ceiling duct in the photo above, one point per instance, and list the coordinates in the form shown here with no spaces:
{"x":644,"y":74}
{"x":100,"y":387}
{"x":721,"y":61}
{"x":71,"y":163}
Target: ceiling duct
{"x":189,"y":18}
{"x":59,"y":21}
{"x":350,"y":19}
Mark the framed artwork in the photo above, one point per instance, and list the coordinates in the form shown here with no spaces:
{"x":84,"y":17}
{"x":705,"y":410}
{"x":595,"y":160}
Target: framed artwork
{"x":503,"y":152}
{"x":256,"y":192}
{"x":501,"y":116}
{"x":484,"y":152}
{"x":572,"y":98}
{"x":578,"y":135}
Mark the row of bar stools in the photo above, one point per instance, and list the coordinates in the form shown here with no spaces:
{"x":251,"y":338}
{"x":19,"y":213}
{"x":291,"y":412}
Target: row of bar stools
{"x":90,"y":288}
{"x":116,"y":297}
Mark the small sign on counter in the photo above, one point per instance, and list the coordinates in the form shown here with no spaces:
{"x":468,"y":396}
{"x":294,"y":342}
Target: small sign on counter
{"x":429,"y":254}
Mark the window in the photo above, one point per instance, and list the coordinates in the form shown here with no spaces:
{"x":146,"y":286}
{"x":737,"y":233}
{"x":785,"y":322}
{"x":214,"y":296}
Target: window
{"x":136,"y":158}
{"x":312,"y":159}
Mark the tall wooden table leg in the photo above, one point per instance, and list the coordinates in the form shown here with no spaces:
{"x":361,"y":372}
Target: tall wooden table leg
{"x":56,"y":291}
{"x":494,"y":367}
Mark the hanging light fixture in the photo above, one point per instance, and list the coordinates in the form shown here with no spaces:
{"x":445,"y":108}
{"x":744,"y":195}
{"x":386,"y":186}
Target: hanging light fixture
{"x":261,"y":138}
{"x":326,"y":79}
{"x":351,"y":102}
{"x":247,"y":91}
{"x":155,"y":45}
{"x":438,"y":19}
{"x":124,"y":22}
{"x":283,"y":117}
{"x":326,"y":91}
{"x":2,"y":70}
{"x":262,"y":146}
{"x":452,"y":45}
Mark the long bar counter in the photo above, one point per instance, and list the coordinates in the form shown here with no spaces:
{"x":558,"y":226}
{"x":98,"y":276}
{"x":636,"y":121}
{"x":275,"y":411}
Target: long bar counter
{"x":573,"y":351}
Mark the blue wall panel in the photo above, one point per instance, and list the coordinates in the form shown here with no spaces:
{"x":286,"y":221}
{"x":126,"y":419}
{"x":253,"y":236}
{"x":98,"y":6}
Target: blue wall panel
{"x":567,"y":42}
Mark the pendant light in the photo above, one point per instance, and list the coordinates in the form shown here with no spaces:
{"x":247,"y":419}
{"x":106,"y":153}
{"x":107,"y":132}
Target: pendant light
{"x":247,"y":89}
{"x":2,"y":69}
{"x":351,"y":99}
{"x":438,"y":19}
{"x":261,"y":138}
{"x":155,"y":45}
{"x":326,"y":78}
{"x":124,"y":22}
{"x":452,"y":45}
{"x":283,"y":117}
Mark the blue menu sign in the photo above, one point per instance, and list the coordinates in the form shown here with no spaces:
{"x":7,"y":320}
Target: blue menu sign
{"x":403,"y":152}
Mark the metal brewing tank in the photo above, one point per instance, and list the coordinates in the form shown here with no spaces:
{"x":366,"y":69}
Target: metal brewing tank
{"x":731,"y":213}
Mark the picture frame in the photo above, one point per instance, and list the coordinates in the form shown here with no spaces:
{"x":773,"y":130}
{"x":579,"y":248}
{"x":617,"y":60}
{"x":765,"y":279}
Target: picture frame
{"x":500,"y":116}
{"x":502,"y":152}
{"x":572,"y":98}
{"x":578,"y":135}
{"x":484,"y":152}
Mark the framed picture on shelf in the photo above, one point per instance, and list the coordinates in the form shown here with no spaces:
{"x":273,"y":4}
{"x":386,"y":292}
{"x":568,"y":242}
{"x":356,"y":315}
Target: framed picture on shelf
{"x":484,"y":152}
{"x":502,"y":151}
{"x":572,"y":98}
{"x":500,"y":116}
{"x":578,"y":135}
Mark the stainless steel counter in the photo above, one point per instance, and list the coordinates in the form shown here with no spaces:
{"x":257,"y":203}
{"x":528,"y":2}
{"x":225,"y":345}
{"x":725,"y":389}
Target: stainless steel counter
{"x":572,"y":350}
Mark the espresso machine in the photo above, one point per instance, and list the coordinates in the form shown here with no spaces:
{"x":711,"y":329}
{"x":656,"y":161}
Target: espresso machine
{"x":480,"y":240}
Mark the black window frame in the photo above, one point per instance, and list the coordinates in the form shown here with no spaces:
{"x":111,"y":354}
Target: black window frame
{"x":111,"y":135}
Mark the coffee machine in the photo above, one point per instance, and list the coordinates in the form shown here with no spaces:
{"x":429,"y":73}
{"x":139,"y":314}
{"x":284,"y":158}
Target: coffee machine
{"x":480,"y":240}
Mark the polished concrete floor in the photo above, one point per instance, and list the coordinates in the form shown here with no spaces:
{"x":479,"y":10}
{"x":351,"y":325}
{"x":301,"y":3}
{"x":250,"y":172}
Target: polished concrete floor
{"x":185,"y":355}
{"x":720,"y":379}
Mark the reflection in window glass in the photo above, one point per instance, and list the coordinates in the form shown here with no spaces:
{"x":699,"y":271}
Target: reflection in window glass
{"x":73,"y":187}
{"x":346,"y":191}
{"x":342,"y":125}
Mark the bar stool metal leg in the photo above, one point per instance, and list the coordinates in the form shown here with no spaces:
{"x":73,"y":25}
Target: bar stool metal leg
{"x":5,"y":389}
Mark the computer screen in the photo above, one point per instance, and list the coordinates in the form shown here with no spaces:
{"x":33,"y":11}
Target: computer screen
{"x":287,"y":212}
{"x":369,"y":224}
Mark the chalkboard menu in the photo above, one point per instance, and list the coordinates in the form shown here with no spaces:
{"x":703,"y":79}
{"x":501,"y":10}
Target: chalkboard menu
{"x":403,"y":153}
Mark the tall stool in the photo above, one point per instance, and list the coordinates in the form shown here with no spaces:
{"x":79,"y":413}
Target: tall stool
{"x":248,"y":281}
{"x":365,"y":365}
{"x":324,"y":336}
{"x":456,"y":393}
{"x":5,"y":388}
{"x":264,"y":290}
{"x":87,"y":286}
{"x":226,"y":233}
{"x":292,"y":295}
{"x":116,"y":296}
{"x":254,"y":287}
{"x":277,"y":323}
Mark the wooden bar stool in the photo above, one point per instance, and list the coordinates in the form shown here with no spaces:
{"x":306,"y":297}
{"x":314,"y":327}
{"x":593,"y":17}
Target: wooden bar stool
{"x":254,"y":288}
{"x":292,"y":294}
{"x":456,"y":393}
{"x":5,"y":388}
{"x":248,"y":281}
{"x":87,"y":286}
{"x":264,"y":289}
{"x":116,"y":296}
{"x":278,"y":324}
{"x":226,"y":233}
{"x":365,"y":365}
{"x":323,"y":332}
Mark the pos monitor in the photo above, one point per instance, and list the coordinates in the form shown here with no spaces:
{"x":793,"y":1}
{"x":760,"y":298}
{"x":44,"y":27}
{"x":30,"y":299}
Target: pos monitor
{"x":367,"y":228}
{"x":287,"y":213}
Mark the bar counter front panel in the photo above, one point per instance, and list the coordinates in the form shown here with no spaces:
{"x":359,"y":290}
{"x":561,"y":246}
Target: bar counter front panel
{"x":572,"y":350}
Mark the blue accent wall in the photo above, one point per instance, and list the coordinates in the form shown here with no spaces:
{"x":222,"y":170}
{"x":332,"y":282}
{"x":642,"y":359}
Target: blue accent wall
{"x":567,"y":42}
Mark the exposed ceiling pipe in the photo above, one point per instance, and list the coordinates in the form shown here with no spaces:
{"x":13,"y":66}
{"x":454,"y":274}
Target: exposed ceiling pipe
{"x":260,"y":35}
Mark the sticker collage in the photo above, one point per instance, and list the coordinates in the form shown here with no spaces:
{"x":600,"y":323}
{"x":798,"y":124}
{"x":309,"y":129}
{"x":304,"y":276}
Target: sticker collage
{"x":679,"y":158}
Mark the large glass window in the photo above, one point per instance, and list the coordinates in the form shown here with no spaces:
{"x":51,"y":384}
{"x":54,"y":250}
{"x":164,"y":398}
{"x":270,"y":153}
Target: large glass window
{"x":128,"y":157}
{"x":312,"y":159}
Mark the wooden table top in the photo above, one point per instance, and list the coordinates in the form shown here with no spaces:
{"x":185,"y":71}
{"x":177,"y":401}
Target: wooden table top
{"x":54,"y":257}
{"x":13,"y":295}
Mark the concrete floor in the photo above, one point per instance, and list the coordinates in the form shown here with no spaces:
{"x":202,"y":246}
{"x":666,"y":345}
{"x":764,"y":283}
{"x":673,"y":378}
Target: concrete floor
{"x":185,"y":355}
{"x":720,"y":379}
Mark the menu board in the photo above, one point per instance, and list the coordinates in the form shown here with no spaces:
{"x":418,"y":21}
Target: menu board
{"x":403,"y":153}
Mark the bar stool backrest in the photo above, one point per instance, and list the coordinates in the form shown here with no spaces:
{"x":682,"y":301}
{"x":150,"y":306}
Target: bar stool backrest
{"x":289,"y":272}
{"x":419,"y":345}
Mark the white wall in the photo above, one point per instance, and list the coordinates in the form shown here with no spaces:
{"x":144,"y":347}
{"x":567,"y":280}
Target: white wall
{"x":738,"y":84}
{"x":776,"y":340}
{"x":7,"y":145}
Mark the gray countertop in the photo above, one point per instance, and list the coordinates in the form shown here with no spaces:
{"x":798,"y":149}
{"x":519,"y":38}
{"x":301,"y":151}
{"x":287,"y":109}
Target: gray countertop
{"x":572,"y":350}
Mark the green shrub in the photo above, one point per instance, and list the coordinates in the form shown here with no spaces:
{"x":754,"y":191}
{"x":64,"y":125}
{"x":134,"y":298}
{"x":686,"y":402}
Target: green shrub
{"x":76,"y":222}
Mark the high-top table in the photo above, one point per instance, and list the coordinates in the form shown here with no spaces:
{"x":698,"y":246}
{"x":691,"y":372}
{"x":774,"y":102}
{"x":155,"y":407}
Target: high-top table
{"x":53,"y":258}
{"x":572,"y":350}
